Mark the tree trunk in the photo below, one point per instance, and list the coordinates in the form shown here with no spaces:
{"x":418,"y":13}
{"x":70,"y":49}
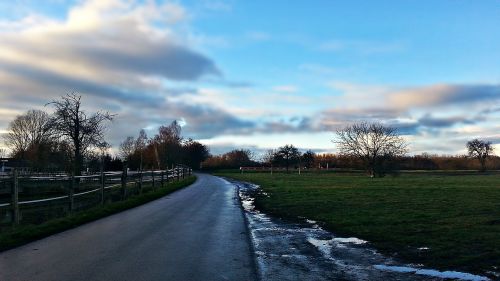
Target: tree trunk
{"x":482,"y":161}
{"x":77,"y":167}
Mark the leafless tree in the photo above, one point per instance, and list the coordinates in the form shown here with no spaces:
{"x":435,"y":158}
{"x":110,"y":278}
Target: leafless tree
{"x":374,"y":143}
{"x":72,"y":123}
{"x":481,"y":150}
{"x":169,"y":134}
{"x":28,"y":130}
{"x":127,"y":148}
{"x":3,"y":153}
{"x":140,"y":145}
{"x":268,"y":157}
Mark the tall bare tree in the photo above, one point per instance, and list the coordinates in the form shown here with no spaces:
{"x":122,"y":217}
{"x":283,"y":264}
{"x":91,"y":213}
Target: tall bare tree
{"x":82,"y":130}
{"x":28,"y":130}
{"x":127,"y":148}
{"x":481,"y":150}
{"x":140,"y":146}
{"x":375,"y":144}
{"x":167,"y":144}
{"x":268,"y":157}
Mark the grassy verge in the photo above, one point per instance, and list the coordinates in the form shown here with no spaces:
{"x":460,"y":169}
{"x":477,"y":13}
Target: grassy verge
{"x":457,"y":217}
{"x":16,"y":236}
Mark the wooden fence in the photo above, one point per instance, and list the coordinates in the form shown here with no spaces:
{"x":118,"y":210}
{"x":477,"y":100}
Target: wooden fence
{"x":35,"y":198}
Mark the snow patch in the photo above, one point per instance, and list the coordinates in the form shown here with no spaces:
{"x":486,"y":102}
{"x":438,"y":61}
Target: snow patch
{"x":324,"y":246}
{"x":433,"y":273}
{"x":352,"y":240}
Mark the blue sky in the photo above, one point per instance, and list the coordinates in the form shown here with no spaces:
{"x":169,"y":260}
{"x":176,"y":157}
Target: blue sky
{"x":261,"y":74}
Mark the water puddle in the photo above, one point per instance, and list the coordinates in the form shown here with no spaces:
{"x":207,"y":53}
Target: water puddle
{"x":305,"y":251}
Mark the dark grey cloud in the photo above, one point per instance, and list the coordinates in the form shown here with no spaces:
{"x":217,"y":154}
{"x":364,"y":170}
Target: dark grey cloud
{"x":158,"y":58}
{"x":471,"y":93}
{"x":440,"y":122}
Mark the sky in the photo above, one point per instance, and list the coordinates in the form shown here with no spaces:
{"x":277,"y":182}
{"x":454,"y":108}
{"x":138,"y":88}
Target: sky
{"x":261,"y":74}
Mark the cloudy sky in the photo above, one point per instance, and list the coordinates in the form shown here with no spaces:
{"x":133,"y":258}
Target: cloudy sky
{"x":261,"y":74}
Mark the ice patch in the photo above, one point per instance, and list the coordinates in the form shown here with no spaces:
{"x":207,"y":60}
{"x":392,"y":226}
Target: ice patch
{"x":324,"y":246}
{"x":423,"y":248}
{"x":311,"y":221}
{"x":433,"y":273}
{"x":352,"y":240}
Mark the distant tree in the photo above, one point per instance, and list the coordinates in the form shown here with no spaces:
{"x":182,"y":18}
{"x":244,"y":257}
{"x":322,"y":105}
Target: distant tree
{"x":239,"y":158}
{"x":268,"y":157}
{"x":103,"y":148}
{"x":140,"y":146}
{"x":481,"y":150}
{"x":169,"y":134}
{"x":28,"y":131}
{"x":194,"y":153}
{"x":167,"y":145}
{"x":73,"y":124}
{"x":233,"y":159}
{"x":308,"y":159}
{"x":375,"y":144}
{"x":127,"y":148}
{"x":287,"y":155}
{"x":3,"y":153}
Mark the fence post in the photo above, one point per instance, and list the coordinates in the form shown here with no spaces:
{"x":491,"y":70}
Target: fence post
{"x":71,"y":193}
{"x":140,"y":181}
{"x":183,"y":172}
{"x":178,"y":174}
{"x":162,"y":175}
{"x":153,"y":178}
{"x":124,"y":182}
{"x":102,"y":186}
{"x":15,"y":197}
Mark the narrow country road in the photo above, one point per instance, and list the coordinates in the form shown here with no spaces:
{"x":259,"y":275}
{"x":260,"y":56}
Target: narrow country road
{"x":197,"y":233}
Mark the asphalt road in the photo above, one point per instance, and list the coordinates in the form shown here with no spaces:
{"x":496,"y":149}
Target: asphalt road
{"x":197,"y":233}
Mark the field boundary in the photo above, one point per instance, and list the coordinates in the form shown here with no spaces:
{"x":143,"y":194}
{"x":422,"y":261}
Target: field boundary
{"x":75,"y":193}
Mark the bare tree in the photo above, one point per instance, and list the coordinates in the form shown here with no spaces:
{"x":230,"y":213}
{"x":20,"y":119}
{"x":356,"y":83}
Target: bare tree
{"x":127,"y":148}
{"x":103,"y":148}
{"x":268,"y":157}
{"x":481,"y":150}
{"x":28,"y":130}
{"x":375,"y":144}
{"x":72,"y":123}
{"x":140,"y":145}
{"x":3,"y":153}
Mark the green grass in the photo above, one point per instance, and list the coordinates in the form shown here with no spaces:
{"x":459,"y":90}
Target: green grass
{"x":18,"y":235}
{"x":456,"y":216}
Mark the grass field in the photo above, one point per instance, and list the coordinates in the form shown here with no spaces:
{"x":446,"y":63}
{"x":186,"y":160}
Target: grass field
{"x":18,"y":235}
{"x":457,"y":217}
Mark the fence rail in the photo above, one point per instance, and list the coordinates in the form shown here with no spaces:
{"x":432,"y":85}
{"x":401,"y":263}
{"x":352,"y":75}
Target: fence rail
{"x":37,"y":198}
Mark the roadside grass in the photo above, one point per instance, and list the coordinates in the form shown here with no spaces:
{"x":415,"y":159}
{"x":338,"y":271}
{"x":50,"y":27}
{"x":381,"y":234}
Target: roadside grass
{"x":457,"y":217}
{"x":18,"y":235}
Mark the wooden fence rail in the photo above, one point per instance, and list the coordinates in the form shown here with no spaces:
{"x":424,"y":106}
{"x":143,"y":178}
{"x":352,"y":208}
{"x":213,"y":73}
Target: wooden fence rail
{"x":76,"y":192}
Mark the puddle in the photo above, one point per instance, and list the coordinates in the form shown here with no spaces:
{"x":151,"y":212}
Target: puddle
{"x":305,"y":251}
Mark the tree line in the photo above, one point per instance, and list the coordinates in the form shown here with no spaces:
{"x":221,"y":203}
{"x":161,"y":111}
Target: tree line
{"x":72,"y":139}
{"x":373,"y":147}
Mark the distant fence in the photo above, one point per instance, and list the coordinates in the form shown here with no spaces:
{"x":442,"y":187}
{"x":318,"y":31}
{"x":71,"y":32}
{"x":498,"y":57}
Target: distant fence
{"x":277,"y":169}
{"x":35,"y":199}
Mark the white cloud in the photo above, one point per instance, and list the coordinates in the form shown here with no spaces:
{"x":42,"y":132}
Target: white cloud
{"x":285,"y":89}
